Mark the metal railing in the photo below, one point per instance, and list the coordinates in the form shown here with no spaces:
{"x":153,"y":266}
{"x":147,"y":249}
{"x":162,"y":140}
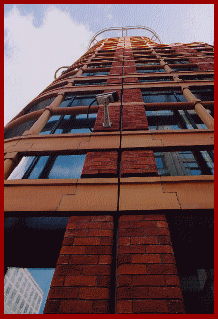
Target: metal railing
{"x":124,"y":30}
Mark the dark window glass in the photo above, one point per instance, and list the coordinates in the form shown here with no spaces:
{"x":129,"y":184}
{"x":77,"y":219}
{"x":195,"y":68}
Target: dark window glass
{"x":150,"y":70}
{"x":209,"y":77}
{"x":162,"y":96}
{"x":49,"y":167}
{"x":95,"y":73}
{"x":177,"y":61}
{"x":147,"y":63}
{"x":19,"y":130}
{"x":99,"y":66}
{"x":174,"y":119}
{"x":77,"y":83}
{"x":155,"y":79}
{"x":39,"y":106}
{"x":78,"y":100}
{"x":184,"y":69}
{"x":204,"y":95}
{"x":184,"y":163}
{"x":79,"y":123}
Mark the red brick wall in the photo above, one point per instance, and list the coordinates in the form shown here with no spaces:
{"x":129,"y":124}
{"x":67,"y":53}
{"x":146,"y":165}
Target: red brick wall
{"x":147,"y":280}
{"x":203,"y":63}
{"x":134,"y":118}
{"x":81,"y":282}
{"x":138,"y":163}
{"x":100,"y":164}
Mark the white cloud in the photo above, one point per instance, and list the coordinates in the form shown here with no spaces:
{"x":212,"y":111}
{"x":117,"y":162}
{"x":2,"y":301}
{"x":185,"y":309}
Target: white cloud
{"x":198,"y":23}
{"x":109,"y":16}
{"x":34,"y":54}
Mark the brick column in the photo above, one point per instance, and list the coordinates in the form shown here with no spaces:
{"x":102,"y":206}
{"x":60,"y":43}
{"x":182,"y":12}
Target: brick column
{"x":100,"y":164}
{"x":138,"y":163}
{"x":81,"y":281}
{"x":147,"y":280}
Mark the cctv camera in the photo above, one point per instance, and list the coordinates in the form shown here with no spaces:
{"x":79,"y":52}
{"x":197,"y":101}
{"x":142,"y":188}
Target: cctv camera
{"x":105,"y":99}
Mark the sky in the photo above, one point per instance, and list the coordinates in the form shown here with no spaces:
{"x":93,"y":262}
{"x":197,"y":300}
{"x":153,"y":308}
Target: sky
{"x":43,"y":277}
{"x":40,"y":38}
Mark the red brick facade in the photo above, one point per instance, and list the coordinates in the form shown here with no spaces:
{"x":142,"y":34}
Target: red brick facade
{"x":147,"y":280}
{"x":205,"y":64}
{"x":81,"y":282}
{"x":138,"y":163}
{"x":100,"y":164}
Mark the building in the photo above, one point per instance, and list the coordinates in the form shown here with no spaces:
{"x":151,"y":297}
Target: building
{"x":138,"y":194}
{"x":22,"y":295}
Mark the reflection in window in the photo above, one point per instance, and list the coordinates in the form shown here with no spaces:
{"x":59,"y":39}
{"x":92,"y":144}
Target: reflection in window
{"x":174,"y":119}
{"x":150,"y":70}
{"x":163,"y":96}
{"x":184,"y":69}
{"x":49,"y":167}
{"x":19,"y":130}
{"x":81,"y":83}
{"x":155,"y":79}
{"x":184,"y":163}
{"x":78,"y":100}
{"x":95,"y":73}
{"x":203,"y":95}
{"x":62,"y":124}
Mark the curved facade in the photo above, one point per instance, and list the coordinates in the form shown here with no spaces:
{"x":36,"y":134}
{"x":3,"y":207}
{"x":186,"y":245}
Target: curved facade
{"x":130,"y":189}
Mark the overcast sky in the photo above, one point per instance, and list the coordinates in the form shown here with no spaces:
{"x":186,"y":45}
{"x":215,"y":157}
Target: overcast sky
{"x":40,"y":38}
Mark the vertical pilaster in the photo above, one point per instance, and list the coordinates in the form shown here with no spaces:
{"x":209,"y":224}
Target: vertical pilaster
{"x":147,"y":280}
{"x":81,"y":281}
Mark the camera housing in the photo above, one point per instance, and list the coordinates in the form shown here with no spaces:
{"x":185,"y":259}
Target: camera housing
{"x":105,"y":99}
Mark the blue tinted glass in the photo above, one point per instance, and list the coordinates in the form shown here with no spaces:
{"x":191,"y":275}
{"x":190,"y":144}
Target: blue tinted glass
{"x":80,"y":130}
{"x":84,"y":101}
{"x":22,"y":167}
{"x":207,"y":95}
{"x":159,"y":98}
{"x":102,"y":73}
{"x":195,"y":172}
{"x":159,"y":162}
{"x":84,"y":116}
{"x":66,"y":103}
{"x":87,"y":74}
{"x":67,"y":166}
{"x":38,"y":168}
{"x":50,"y":124}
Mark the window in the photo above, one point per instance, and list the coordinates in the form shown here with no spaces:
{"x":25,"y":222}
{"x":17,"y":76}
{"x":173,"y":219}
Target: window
{"x":184,"y":163}
{"x":177,"y":61}
{"x":199,"y":77}
{"x":19,"y":130}
{"x":147,"y":63}
{"x":156,"y":79}
{"x":95,"y":73}
{"x":174,"y":119}
{"x":99,"y":66}
{"x":13,"y":294}
{"x":49,"y":167}
{"x":150,"y":70}
{"x":26,"y":308}
{"x":163,"y":96}
{"x":62,"y":124}
{"x":81,"y":83}
{"x":204,"y":94}
{"x":78,"y":100}
{"x":39,"y":106}
{"x":192,"y":68}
